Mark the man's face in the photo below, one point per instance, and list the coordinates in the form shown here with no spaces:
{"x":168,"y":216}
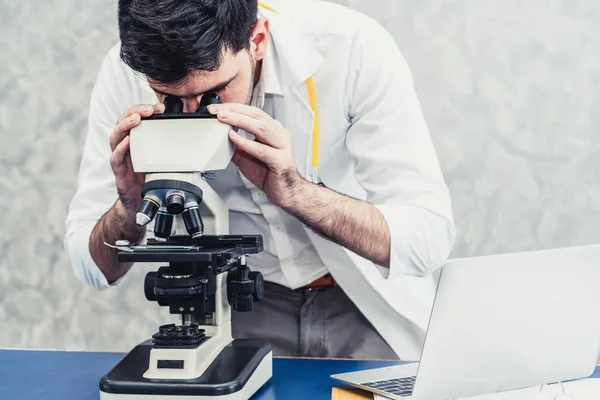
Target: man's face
{"x":233,"y":81}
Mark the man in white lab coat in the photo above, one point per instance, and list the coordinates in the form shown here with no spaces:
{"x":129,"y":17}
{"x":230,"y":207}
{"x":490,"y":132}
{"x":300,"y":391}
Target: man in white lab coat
{"x":348,"y":262}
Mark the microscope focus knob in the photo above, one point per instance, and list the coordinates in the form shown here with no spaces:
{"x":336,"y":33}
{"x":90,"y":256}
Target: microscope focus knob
{"x":244,"y":288}
{"x":242,"y":303}
{"x":259,"y":285}
{"x":240,"y":294}
{"x":149,"y":284}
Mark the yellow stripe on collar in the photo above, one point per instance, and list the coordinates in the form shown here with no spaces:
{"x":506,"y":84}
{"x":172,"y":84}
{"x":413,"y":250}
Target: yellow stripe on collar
{"x":266,"y":7}
{"x":312,"y":99}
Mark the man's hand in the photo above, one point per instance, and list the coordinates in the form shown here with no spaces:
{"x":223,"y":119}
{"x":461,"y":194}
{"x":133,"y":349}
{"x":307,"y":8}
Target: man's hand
{"x":119,"y":221}
{"x":268,"y":161}
{"x":129,"y":183}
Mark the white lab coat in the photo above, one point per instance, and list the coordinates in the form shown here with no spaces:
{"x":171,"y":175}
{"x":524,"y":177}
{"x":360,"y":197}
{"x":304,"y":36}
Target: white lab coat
{"x":374,"y":146}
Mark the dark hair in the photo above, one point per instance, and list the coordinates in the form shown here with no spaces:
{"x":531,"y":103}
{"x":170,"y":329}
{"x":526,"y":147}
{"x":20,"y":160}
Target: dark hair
{"x":168,"y":39}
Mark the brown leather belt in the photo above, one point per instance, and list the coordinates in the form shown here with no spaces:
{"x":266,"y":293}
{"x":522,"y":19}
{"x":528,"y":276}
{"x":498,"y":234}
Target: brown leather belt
{"x":324,"y":281}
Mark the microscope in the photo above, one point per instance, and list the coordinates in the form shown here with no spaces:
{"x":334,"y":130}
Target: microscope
{"x":206,"y":275}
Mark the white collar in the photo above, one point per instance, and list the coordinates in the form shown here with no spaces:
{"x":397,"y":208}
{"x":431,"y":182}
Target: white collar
{"x":269,"y":82}
{"x":289,"y":52}
{"x":268,"y":76}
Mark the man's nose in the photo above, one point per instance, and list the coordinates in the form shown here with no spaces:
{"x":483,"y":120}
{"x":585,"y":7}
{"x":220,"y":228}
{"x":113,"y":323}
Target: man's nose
{"x":190,"y":105}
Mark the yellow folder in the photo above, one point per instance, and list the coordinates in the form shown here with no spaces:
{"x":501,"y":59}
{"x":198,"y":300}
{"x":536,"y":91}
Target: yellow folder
{"x":349,"y":394}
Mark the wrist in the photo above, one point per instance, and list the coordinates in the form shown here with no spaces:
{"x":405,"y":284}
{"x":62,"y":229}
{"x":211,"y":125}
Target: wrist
{"x":302,"y":194}
{"x":123,"y":218}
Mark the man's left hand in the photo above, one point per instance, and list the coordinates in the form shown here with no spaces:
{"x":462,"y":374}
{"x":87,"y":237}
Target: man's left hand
{"x":268,"y":161}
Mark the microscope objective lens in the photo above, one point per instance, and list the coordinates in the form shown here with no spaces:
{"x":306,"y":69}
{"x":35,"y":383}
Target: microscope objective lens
{"x":175,"y":202}
{"x":163,"y":224}
{"x":147,"y":210}
{"x":193,"y":221}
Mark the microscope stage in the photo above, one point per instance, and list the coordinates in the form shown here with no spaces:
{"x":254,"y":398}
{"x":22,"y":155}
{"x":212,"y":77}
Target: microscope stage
{"x":218,"y":250}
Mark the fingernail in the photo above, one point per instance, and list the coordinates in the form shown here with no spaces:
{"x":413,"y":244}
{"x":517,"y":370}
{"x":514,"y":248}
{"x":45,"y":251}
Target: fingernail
{"x":132,"y":118}
{"x":213,"y":108}
{"x":145,"y":108}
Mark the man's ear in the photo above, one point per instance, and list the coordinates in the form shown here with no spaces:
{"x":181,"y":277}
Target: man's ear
{"x":259,"y":39}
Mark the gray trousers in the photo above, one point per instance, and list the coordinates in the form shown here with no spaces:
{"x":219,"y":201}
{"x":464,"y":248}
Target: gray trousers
{"x":321,"y":322}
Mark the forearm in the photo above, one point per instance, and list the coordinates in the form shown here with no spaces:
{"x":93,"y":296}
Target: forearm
{"x":115,"y":225}
{"x":351,"y":223}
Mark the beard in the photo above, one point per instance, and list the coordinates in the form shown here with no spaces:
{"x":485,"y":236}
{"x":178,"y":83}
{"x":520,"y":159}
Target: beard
{"x":252,"y":77}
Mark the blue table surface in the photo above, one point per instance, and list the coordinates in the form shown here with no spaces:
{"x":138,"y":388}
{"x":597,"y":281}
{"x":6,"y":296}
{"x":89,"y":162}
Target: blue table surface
{"x":49,"y":375}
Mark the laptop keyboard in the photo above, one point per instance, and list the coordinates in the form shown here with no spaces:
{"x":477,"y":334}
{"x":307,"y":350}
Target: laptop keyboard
{"x":400,"y":386}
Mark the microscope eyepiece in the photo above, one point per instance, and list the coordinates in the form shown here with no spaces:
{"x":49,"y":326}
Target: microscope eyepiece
{"x":173,"y":105}
{"x":208,"y":99}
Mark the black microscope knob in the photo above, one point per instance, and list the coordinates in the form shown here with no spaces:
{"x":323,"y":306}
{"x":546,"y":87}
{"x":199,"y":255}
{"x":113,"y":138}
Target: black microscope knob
{"x":173,"y":105}
{"x":240,"y":290}
{"x":259,"y":285}
{"x":149,"y":284}
{"x":242,"y":303}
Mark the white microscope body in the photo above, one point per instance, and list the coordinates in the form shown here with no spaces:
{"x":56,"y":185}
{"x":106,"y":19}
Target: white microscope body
{"x":198,"y":359}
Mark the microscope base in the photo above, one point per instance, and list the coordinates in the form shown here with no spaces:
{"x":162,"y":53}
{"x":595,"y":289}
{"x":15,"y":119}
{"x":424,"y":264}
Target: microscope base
{"x":237,"y":373}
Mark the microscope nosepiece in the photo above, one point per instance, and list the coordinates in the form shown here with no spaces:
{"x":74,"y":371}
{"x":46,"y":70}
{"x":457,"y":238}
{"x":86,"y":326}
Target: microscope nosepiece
{"x":147,"y":210}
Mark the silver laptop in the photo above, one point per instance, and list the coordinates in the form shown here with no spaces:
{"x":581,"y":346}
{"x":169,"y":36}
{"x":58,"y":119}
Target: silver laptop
{"x":500,"y":323}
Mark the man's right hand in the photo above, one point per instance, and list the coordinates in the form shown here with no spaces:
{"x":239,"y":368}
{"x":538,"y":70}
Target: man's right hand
{"x":128,"y":182}
{"x":119,"y":221}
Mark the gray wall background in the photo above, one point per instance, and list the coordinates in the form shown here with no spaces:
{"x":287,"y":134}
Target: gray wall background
{"x":511,"y":91}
